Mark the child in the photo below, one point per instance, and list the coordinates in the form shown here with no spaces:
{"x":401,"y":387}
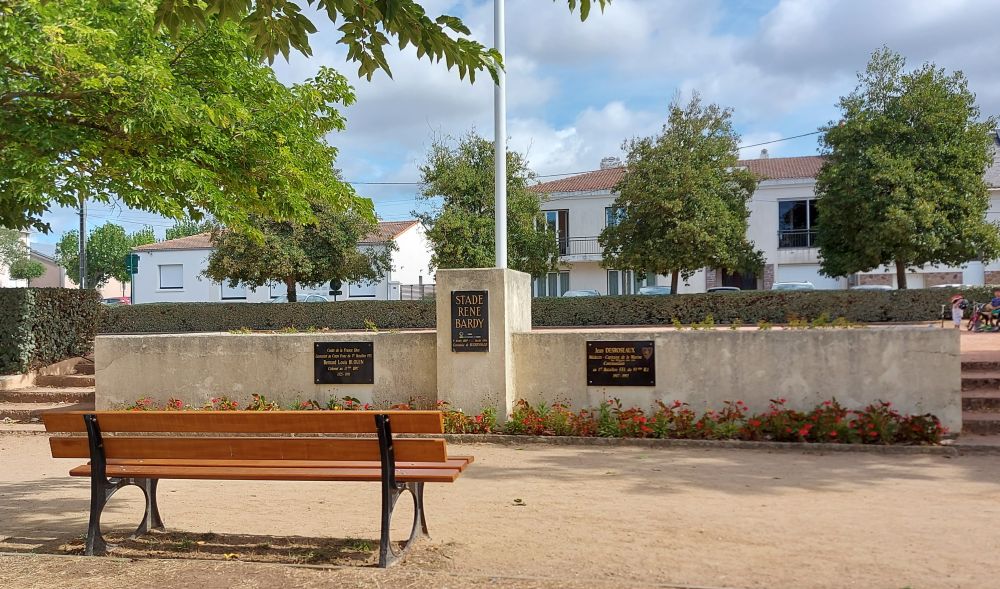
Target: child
{"x":958,"y":305}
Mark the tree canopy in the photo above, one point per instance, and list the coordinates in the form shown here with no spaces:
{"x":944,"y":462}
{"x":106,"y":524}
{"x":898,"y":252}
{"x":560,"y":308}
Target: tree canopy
{"x":107,"y":246}
{"x":462,"y":229}
{"x":682,"y":202}
{"x":368,"y":26}
{"x":186,"y":227}
{"x":16,"y":257}
{"x":902,"y":183}
{"x":308,"y":254}
{"x":94,"y":104}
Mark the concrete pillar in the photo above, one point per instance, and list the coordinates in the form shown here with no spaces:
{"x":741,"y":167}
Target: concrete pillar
{"x":483,"y":376}
{"x":974,"y":273}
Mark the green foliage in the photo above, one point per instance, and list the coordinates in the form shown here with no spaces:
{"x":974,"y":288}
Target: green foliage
{"x":26,"y":269}
{"x":15,"y":255}
{"x":309,"y":254}
{"x":97,"y":105}
{"x":40,"y":326}
{"x":902,"y":183}
{"x":682,"y":203}
{"x":247,"y":317}
{"x":366,"y":27}
{"x":107,"y":247}
{"x":186,"y":227}
{"x":462,"y":230}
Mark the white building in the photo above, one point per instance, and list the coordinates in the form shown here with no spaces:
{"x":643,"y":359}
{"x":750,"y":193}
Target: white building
{"x":782,"y":225}
{"x":5,"y":280}
{"x":171,"y":271}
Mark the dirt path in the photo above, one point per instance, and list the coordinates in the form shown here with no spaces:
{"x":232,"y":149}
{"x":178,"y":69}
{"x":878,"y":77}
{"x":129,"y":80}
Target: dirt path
{"x":586,"y":517}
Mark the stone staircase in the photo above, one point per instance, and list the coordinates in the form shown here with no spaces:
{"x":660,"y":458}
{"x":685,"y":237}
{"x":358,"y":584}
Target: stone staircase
{"x":980,"y":396}
{"x":71,"y":388}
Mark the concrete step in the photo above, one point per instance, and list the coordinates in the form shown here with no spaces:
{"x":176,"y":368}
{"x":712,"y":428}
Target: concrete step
{"x":85,"y":367}
{"x":64,"y":380}
{"x":27,"y":412}
{"x":980,"y":364}
{"x":48,"y":395}
{"x":981,"y":422}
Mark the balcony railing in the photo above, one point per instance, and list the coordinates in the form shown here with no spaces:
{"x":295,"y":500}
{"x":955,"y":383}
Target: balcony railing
{"x":800,"y":238}
{"x":578,"y":246}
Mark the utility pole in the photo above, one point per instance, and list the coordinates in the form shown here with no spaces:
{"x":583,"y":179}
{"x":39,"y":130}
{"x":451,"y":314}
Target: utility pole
{"x":500,"y":138}
{"x":83,"y":241}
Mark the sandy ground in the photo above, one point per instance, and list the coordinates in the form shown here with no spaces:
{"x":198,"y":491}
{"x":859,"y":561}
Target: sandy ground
{"x":587,"y":517}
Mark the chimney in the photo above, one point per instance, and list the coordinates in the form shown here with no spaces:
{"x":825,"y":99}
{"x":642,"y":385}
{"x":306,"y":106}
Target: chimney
{"x":763,"y":154}
{"x":610,"y":162}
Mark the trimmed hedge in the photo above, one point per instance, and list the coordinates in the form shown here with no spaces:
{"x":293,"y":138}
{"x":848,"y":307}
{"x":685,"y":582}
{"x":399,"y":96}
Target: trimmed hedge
{"x":192,"y":317}
{"x":748,"y":307}
{"x":40,"y":326}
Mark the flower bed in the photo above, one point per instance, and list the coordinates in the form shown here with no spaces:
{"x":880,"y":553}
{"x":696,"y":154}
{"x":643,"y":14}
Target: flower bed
{"x":828,"y":422}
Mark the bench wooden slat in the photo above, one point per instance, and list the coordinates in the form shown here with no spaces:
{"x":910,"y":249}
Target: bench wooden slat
{"x":212,"y":448}
{"x":256,"y":422}
{"x":453,"y":462}
{"x":429,"y":475}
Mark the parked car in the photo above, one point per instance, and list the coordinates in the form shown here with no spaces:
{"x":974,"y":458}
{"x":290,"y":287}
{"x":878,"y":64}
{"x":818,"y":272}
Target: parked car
{"x":872,"y":287}
{"x":115,"y":301}
{"x":954,"y":286}
{"x":793,"y":286}
{"x":581,"y":293}
{"x":724,"y":289}
{"x":312,"y":298}
{"x":654,"y":290}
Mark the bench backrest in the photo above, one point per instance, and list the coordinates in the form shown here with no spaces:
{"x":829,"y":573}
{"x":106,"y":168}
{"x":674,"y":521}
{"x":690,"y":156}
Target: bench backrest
{"x":156,"y":440}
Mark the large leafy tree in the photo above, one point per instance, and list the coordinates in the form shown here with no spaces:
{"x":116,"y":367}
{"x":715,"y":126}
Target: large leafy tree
{"x":107,"y":247}
{"x":309,"y":254}
{"x":902,"y":183}
{"x":462,"y":228}
{"x":96,"y":105}
{"x":682,"y":202}
{"x":367,"y":27}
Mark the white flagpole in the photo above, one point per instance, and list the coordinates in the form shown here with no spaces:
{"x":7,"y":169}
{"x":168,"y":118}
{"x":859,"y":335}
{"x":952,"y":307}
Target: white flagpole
{"x":500,"y":138}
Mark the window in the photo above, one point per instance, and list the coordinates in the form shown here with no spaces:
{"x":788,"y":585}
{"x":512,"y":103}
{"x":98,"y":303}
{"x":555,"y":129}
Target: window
{"x":612,"y":216}
{"x":362,"y":290}
{"x":172,"y":276}
{"x":553,"y":284}
{"x":233,"y":293}
{"x":625,"y":282}
{"x":558,"y":222}
{"x":797,"y":223}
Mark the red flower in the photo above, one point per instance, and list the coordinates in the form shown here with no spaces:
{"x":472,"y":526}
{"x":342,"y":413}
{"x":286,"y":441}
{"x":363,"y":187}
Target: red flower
{"x":754,"y":423}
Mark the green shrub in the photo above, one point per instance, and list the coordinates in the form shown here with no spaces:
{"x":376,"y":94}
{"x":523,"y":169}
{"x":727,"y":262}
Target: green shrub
{"x":39,"y":326}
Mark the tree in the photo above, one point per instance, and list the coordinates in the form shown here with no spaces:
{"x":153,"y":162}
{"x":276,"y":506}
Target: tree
{"x":462,"y":230}
{"x":16,"y":256}
{"x":95,"y":105}
{"x":186,"y":227}
{"x":278,"y":27}
{"x":26,"y":269}
{"x":107,"y":247}
{"x":902,"y":183}
{"x":682,"y":202}
{"x":292,"y":253}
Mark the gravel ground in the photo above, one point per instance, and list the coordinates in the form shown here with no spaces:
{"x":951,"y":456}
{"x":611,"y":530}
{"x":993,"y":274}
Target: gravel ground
{"x":536,"y":516}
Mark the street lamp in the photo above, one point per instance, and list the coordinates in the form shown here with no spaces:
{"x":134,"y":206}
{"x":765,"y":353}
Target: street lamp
{"x":500,"y":138}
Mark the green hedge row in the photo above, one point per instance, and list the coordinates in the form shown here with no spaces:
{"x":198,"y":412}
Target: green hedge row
{"x":190,"y":317}
{"x":40,"y":326}
{"x":748,"y":307}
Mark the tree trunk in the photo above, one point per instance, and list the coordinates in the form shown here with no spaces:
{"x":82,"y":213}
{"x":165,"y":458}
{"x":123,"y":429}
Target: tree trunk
{"x":675,"y":279}
{"x":900,"y":274}
{"x":290,"y":289}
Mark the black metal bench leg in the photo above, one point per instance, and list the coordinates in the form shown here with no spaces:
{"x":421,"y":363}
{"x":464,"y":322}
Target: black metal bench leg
{"x":418,"y":495}
{"x":99,"y":496}
{"x":387,"y":555}
{"x":151,"y":518}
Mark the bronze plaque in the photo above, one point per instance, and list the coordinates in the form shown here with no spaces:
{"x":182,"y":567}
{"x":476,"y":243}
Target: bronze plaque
{"x":470,"y":321}
{"x":621,"y":364}
{"x":344,"y":362}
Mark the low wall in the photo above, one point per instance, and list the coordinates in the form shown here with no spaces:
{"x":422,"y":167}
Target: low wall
{"x":915,"y":368}
{"x":197,"y":367}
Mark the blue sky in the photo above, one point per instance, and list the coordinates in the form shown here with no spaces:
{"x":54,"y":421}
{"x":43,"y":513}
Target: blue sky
{"x":577,"y":90}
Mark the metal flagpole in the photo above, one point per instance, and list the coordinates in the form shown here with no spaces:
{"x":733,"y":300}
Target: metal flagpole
{"x":500,"y":139}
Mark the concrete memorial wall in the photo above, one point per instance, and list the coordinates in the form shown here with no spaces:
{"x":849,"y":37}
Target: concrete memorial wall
{"x":485,"y":354}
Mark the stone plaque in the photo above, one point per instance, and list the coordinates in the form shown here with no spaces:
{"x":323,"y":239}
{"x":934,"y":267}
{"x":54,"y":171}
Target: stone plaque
{"x":344,"y":362}
{"x":470,"y":321}
{"x":621,"y":364}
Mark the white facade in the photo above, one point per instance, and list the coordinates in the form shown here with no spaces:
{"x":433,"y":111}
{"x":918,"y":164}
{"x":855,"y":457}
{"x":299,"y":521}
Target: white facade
{"x":174,"y":273}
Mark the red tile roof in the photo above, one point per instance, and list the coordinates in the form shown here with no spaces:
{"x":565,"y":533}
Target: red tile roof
{"x":385,"y":231}
{"x":775,"y":168}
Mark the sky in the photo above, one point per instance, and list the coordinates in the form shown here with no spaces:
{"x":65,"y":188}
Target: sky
{"x":576,"y":91}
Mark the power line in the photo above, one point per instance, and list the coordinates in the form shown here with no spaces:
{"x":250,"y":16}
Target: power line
{"x":779,"y":140}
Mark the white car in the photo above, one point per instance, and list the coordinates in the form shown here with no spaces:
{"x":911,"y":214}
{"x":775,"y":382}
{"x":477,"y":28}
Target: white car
{"x":872,"y":287}
{"x":793,"y":286}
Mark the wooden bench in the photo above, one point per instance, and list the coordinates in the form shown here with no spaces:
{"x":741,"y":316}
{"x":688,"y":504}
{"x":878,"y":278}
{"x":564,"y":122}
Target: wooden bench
{"x":140,"y":448}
